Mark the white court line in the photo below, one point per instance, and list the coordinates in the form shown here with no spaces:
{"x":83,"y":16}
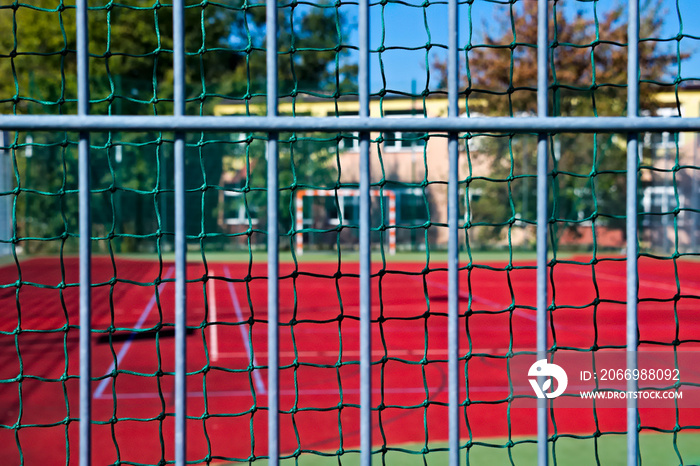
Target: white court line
{"x":125,"y":347}
{"x":529,"y":314}
{"x":642,"y":283}
{"x":391,"y":353}
{"x":346,"y":353}
{"x":432,"y":391}
{"x":244,"y":334}
{"x":521,"y":312}
{"x":311,"y":391}
{"x":213,"y":329}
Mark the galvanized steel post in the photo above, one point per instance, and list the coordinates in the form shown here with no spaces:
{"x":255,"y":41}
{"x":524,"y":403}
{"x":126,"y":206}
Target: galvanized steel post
{"x":632,"y":246}
{"x":542,"y":217}
{"x":180,"y":238}
{"x":272,"y":241}
{"x":453,"y":238}
{"x":85,"y":230}
{"x":365,"y":251}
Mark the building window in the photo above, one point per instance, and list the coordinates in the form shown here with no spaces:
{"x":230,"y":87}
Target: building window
{"x":235,"y":211}
{"x":663,"y":140}
{"x":396,"y":141}
{"x":403,"y":140}
{"x":659,"y":200}
{"x":349,"y":142}
{"x":412,"y":207}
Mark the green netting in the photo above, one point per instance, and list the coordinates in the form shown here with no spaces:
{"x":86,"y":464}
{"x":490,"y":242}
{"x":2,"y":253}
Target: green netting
{"x":133,"y":224}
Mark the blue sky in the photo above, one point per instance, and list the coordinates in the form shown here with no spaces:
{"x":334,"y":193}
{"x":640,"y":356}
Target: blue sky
{"x":406,"y":26}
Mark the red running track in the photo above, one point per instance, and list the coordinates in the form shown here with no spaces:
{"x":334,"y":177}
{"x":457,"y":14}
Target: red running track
{"x":319,"y":343}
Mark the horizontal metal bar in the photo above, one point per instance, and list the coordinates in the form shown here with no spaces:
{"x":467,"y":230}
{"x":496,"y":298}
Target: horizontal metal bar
{"x":139,"y":123}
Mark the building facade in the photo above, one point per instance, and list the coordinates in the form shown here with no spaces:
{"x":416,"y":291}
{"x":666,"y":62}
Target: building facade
{"x":413,"y":166}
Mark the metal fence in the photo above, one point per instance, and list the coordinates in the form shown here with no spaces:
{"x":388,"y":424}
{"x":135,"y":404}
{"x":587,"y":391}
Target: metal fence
{"x":84,"y":123}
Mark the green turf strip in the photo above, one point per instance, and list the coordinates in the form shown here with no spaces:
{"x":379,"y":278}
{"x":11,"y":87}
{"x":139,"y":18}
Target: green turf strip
{"x":483,"y":257}
{"x":656,"y":450}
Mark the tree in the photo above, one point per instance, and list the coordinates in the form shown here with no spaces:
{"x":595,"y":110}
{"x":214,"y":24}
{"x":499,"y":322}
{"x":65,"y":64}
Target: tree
{"x":588,"y":62}
{"x":587,"y":76}
{"x":131,"y":48}
{"x":131,"y":73}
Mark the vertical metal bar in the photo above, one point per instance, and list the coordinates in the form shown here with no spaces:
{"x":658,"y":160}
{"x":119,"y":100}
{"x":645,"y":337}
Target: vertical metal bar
{"x":632,"y":161}
{"x":180,"y":238}
{"x":85,"y":390}
{"x":272,"y":242}
{"x":695,"y":197}
{"x":542,"y":218}
{"x":365,"y":252}
{"x":5,"y":201}
{"x":453,"y":238}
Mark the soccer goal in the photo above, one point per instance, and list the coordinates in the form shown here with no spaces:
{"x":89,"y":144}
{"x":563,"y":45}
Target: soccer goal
{"x":342,"y":194}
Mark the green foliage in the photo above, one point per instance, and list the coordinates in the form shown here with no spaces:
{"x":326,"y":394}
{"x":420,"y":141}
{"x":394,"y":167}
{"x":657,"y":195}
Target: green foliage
{"x":131,"y":54}
{"x":43,"y":211}
{"x":587,"y":76}
{"x":305,"y":161}
{"x":131,"y":73}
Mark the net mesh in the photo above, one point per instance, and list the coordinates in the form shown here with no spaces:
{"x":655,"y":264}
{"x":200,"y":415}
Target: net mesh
{"x":133,"y":224}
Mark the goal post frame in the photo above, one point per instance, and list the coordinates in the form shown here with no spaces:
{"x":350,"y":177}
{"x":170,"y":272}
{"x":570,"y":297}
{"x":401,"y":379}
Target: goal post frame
{"x":343,"y":192}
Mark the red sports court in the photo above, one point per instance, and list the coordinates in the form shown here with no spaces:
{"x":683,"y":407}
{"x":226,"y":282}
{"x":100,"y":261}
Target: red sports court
{"x":133,"y":358}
